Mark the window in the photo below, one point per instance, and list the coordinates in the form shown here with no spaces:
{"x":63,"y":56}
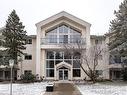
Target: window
{"x":67,"y":55}
{"x":50,"y":64}
{"x":50,"y":55}
{"x":68,"y":61}
{"x":27,"y":72}
{"x":99,"y":72}
{"x":58,"y":61}
{"x":59,"y":55}
{"x":76,"y":63}
{"x":74,"y":31}
{"x":53,"y":31}
{"x":98,"y":41}
{"x":76,"y":55}
{"x":76,"y":72}
{"x":50,"y":72}
{"x":63,"y":34}
{"x":63,"y":29}
{"x":63,"y":39}
{"x":28,"y":57}
{"x":29,"y":41}
{"x":117,"y":59}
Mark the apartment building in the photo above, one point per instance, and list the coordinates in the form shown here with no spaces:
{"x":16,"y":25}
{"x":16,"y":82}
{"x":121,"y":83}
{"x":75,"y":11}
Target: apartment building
{"x":47,"y":59}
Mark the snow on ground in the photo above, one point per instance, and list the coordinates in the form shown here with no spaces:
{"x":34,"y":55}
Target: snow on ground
{"x":24,"y":89}
{"x":86,"y":89}
{"x":102,"y":89}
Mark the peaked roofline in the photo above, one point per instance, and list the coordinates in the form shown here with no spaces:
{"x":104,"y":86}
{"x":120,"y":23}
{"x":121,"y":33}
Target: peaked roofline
{"x":63,"y":14}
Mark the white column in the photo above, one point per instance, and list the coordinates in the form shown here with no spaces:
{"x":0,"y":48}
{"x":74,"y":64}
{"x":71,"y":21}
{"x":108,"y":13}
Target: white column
{"x":55,"y":72}
{"x":88,"y":37}
{"x":38,"y":51}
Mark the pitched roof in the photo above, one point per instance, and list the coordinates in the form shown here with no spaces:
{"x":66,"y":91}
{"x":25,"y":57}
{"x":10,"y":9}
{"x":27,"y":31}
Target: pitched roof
{"x":60,"y":15}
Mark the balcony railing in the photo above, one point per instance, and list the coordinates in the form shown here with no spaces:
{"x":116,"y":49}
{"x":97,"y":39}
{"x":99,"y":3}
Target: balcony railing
{"x":48,"y":41}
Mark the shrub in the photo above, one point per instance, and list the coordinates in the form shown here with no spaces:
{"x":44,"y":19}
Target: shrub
{"x":124,"y":75}
{"x":29,"y":77}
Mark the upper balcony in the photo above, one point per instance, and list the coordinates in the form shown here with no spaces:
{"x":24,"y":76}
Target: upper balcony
{"x":55,"y":42}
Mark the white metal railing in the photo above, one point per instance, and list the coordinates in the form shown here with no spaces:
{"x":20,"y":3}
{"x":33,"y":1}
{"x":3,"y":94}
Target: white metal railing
{"x":48,"y":41}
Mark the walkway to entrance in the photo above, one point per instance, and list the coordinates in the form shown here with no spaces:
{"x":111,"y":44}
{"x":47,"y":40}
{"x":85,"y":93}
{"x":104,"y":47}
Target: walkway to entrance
{"x":64,"y":89}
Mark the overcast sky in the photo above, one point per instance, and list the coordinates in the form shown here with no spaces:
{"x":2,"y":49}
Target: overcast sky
{"x":97,"y":12}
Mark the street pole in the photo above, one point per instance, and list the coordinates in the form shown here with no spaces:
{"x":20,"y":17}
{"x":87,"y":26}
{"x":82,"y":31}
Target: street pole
{"x":11,"y":83}
{"x":11,"y":63}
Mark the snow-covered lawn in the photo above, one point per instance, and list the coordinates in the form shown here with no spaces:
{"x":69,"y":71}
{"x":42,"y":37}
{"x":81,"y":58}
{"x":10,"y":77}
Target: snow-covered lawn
{"x":103,"y":89}
{"x":87,"y":89}
{"x":24,"y":89}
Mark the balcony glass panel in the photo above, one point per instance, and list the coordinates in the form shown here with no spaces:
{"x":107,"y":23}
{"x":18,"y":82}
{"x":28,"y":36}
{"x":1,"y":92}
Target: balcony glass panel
{"x":63,"y":39}
{"x":52,"y":38}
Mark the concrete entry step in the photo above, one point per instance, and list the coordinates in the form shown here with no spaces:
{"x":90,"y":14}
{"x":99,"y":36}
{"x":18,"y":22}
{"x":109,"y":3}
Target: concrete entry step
{"x":64,"y":89}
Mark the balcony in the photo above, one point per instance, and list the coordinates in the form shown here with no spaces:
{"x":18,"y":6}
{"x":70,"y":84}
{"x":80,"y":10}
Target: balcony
{"x":57,"y":41}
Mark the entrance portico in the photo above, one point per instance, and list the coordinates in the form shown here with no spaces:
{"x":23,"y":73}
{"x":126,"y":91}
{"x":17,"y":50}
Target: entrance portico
{"x":63,"y":71}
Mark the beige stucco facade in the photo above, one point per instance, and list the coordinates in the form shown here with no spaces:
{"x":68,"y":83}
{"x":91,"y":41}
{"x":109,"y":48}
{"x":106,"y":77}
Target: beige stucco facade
{"x":38,"y":49}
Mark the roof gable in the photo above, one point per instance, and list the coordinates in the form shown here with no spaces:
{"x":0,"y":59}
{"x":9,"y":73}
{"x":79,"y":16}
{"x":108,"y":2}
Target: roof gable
{"x":63,"y":14}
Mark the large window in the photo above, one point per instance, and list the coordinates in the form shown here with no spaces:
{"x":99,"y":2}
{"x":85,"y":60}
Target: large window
{"x":76,"y":68}
{"x":50,"y":64}
{"x":56,"y":57}
{"x":63,"y":34}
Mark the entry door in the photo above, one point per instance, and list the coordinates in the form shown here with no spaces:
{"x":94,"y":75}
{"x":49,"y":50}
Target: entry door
{"x":63,"y":74}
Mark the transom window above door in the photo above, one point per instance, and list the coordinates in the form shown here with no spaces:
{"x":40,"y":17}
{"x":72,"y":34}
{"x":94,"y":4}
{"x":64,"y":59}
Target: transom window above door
{"x":62,"y":34}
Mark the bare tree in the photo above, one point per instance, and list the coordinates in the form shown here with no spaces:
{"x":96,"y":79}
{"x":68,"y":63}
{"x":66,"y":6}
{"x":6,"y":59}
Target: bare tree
{"x":88,"y":57}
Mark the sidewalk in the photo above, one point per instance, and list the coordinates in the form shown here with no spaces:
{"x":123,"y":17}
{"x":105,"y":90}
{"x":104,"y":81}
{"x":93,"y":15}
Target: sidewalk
{"x":64,"y":89}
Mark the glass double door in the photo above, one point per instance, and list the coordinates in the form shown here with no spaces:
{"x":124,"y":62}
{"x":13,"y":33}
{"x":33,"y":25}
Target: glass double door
{"x":63,"y":74}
